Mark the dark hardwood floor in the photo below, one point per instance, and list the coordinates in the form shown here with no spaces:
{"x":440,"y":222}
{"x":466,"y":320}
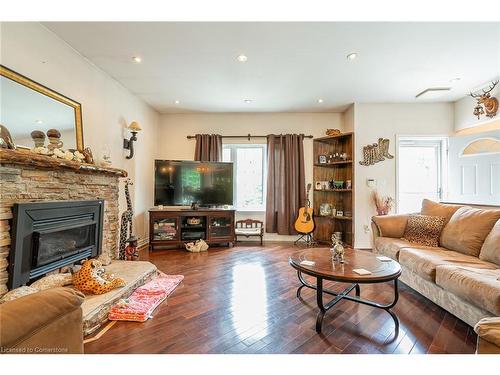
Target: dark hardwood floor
{"x":242,"y":300}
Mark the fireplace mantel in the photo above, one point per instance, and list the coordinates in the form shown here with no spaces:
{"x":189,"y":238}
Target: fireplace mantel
{"x":31,"y":159}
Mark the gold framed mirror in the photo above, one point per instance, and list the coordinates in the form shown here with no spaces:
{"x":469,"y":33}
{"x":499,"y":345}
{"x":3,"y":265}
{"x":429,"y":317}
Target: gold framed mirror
{"x":27,"y":105}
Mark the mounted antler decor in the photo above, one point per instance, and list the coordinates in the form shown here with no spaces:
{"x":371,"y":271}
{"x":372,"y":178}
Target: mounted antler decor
{"x":490,"y":103}
{"x":376,"y":152}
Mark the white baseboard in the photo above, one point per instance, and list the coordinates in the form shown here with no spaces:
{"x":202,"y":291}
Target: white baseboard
{"x":143,"y":242}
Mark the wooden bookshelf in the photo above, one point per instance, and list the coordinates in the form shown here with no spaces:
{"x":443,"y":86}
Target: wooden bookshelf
{"x":341,"y":170}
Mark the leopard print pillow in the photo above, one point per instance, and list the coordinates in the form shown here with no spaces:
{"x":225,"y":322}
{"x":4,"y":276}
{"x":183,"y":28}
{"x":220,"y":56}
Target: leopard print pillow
{"x":424,"y":230}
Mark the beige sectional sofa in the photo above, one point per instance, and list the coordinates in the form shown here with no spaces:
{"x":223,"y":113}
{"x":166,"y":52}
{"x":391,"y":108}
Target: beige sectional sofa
{"x":462,"y":275}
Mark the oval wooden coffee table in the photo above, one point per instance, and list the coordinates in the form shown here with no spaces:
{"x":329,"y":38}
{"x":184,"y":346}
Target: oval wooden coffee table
{"x":325,"y":269}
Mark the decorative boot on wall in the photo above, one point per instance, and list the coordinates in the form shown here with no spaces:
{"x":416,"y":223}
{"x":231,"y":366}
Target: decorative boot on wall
{"x":366,"y":156}
{"x":376,"y":152}
{"x":385,"y":148}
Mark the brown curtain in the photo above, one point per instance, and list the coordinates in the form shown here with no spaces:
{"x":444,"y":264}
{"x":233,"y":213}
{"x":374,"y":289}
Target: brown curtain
{"x":285,"y":182}
{"x":208,"y":147}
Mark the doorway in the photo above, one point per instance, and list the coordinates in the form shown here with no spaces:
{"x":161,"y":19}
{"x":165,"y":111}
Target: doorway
{"x":420,"y":171}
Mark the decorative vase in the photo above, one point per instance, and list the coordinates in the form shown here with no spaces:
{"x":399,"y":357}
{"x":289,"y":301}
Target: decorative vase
{"x":38,"y":138}
{"x":54,"y":139}
{"x":106,"y":156}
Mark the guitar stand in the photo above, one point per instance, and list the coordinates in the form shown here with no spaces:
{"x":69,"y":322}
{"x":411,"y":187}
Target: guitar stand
{"x":307,"y":238}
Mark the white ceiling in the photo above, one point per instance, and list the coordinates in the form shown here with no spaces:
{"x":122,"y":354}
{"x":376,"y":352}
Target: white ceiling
{"x":290,"y":65}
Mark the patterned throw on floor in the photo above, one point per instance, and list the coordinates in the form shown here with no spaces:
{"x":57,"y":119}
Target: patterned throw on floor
{"x":145,"y":299}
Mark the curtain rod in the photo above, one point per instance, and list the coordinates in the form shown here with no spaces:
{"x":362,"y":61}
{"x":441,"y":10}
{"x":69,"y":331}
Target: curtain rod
{"x":248,"y":136}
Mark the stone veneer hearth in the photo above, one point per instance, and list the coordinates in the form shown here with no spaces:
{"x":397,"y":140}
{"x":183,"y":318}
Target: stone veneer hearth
{"x":28,"y":177}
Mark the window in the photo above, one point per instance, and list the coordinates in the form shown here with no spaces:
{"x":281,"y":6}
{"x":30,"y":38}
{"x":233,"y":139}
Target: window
{"x":249,"y":172}
{"x":421,"y":171}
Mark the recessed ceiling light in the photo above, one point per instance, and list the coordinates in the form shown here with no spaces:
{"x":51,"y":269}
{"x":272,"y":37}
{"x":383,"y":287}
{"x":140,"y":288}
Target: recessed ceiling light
{"x":39,"y":122}
{"x":248,"y":101}
{"x":177,"y":102}
{"x":242,"y":58}
{"x":320,"y":101}
{"x":352,"y":56}
{"x":137,"y":59}
{"x":456,"y":79}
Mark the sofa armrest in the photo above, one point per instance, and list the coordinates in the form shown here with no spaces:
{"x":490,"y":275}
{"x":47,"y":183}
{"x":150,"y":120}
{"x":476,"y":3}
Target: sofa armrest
{"x":45,"y":322}
{"x":389,"y":225}
{"x":488,"y":329}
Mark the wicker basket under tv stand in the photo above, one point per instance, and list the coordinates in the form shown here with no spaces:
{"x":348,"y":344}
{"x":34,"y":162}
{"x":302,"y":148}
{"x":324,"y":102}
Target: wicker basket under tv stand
{"x":170,"y":227}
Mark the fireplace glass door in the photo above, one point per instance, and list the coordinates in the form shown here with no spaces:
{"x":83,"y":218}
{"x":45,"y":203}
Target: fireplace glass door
{"x":53,"y":245}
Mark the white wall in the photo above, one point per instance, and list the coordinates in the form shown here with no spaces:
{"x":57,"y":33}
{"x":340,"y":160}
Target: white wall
{"x":34,"y":51}
{"x":348,"y":119}
{"x":173,"y":144}
{"x":387,"y":121}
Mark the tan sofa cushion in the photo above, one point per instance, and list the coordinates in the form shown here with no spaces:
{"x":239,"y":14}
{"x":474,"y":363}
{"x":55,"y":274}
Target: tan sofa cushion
{"x":490,"y":251}
{"x":478,"y":286}
{"x":48,"y":319}
{"x":467,"y":229}
{"x":489,"y":329}
{"x":391,"y":225}
{"x":424,"y":230}
{"x":432,"y":208}
{"x":423,"y":261}
{"x":390,"y":247}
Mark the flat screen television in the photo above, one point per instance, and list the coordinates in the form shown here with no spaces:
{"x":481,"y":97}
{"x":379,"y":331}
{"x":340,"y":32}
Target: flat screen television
{"x":180,"y":183}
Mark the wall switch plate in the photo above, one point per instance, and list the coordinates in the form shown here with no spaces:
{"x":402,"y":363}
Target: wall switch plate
{"x":367,"y":229}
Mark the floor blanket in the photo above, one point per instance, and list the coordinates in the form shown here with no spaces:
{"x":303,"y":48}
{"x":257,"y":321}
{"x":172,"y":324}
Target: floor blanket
{"x":145,"y":299}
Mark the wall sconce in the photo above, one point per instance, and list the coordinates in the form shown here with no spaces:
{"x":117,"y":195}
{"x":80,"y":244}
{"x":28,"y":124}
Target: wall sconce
{"x":128,"y":144}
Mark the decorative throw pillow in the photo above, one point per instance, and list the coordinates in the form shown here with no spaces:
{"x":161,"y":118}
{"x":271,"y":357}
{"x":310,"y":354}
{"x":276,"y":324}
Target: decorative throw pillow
{"x":53,"y":281}
{"x":424,"y":230}
{"x":18,"y":293}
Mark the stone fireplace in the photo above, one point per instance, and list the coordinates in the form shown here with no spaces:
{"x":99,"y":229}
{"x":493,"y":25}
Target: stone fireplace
{"x":89,"y":196}
{"x":26,"y":177}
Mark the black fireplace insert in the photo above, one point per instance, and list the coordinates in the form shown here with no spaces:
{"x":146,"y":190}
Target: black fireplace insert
{"x":51,"y":235}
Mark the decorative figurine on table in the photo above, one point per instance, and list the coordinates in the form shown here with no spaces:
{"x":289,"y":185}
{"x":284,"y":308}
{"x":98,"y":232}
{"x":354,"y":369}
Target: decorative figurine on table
{"x":131,"y":252}
{"x":337,"y":249}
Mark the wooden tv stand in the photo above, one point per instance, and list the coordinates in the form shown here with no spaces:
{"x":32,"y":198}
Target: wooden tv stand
{"x":171,"y":227}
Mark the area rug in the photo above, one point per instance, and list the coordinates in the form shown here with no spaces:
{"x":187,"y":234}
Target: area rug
{"x":145,"y":299}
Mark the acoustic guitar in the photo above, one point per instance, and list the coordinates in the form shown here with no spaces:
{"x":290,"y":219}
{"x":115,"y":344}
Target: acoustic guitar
{"x":305,"y":222}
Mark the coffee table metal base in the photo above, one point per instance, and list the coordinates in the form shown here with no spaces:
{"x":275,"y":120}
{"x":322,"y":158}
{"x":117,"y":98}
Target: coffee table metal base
{"x":323,"y":308}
